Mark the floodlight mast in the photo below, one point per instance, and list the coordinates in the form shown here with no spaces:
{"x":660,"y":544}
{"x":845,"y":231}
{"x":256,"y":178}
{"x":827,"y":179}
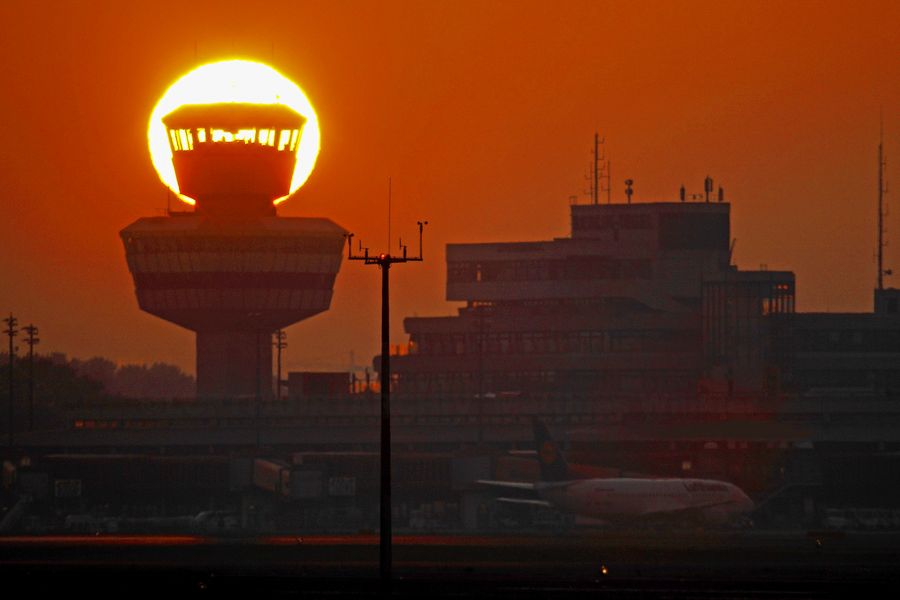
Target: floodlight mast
{"x":385,"y":261}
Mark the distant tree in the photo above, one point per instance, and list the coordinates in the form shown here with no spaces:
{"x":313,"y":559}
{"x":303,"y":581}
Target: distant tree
{"x":60,"y":386}
{"x":171,"y":381}
{"x":57,"y":387}
{"x":159,"y":380}
{"x":96,"y":368}
{"x":129,"y":381}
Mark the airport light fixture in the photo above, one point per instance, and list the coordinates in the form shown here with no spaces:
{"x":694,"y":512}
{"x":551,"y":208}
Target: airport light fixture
{"x":384,"y":261}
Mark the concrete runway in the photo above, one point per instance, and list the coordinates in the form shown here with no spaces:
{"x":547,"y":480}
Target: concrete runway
{"x":721,"y":564}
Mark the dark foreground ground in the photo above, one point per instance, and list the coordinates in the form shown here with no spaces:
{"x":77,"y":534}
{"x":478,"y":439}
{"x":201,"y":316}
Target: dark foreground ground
{"x":630,"y":565}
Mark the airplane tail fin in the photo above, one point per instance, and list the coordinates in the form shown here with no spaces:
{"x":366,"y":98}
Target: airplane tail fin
{"x":553,"y":463}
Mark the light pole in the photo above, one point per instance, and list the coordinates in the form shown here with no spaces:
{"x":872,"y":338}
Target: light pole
{"x":12,"y":331}
{"x":280,"y":343}
{"x":385,"y":261}
{"x":32,"y":332}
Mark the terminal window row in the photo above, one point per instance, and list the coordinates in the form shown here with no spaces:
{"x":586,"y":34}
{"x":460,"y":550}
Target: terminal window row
{"x":181,"y":140}
{"x":238,"y":280}
{"x":190,"y":423}
{"x":644,"y":221}
{"x":554,"y":305}
{"x":804,"y":379}
{"x":868,"y":340}
{"x":551,"y":342}
{"x":188,"y":243}
{"x":572,"y":268}
{"x":492,"y":381}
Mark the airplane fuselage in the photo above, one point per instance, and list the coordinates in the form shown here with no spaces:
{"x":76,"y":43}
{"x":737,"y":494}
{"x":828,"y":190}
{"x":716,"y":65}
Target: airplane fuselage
{"x":625,"y":499}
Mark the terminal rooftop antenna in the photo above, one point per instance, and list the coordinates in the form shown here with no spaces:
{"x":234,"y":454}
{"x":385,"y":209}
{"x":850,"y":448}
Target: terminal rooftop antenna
{"x":608,"y":177}
{"x":389,"y":215}
{"x":595,"y":189}
{"x":600,"y":171}
{"x":385,"y":261}
{"x":882,"y":210}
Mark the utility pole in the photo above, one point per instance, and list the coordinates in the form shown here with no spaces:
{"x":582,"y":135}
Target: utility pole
{"x":608,"y":178}
{"x":32,"y":332}
{"x":280,"y":344}
{"x":600,"y":171}
{"x":385,"y":261}
{"x":12,"y":331}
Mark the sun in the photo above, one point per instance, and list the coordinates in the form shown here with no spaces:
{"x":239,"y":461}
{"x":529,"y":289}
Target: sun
{"x":233,"y":81}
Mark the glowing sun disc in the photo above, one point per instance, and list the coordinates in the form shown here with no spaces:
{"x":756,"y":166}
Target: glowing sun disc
{"x":233,"y":81}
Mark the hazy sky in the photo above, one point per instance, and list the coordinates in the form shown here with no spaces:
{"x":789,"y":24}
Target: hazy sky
{"x":482,"y":113}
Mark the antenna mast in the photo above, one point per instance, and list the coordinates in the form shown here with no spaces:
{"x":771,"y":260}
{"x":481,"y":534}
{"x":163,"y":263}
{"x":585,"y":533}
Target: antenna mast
{"x":882,"y":189}
{"x":600,"y":171}
{"x":607,"y":176}
{"x":595,"y":189}
{"x":389,"y":214}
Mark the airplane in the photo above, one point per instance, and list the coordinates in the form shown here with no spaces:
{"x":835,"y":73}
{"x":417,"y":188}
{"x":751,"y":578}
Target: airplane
{"x":624,"y":499}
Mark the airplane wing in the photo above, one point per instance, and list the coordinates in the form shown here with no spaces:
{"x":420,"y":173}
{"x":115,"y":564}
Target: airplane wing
{"x":525,"y":501}
{"x":509,"y":485}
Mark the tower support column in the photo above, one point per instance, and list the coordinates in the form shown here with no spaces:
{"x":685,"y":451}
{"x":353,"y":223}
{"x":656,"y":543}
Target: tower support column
{"x":234,"y":363}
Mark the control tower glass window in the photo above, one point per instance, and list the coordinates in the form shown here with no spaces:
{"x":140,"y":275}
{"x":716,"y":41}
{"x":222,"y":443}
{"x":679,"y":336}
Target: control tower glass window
{"x":234,"y":159}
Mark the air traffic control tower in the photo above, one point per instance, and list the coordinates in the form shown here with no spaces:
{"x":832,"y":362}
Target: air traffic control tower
{"x":232,"y":270}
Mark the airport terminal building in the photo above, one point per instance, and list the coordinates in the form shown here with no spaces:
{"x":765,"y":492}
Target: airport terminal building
{"x":636,"y":339}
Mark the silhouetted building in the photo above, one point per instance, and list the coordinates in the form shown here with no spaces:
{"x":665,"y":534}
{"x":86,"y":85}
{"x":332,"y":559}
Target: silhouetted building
{"x":838,"y":353}
{"x":641,"y":299}
{"x":312,"y":383}
{"x":887,"y":301}
{"x":232,"y":270}
{"x":636,"y":335}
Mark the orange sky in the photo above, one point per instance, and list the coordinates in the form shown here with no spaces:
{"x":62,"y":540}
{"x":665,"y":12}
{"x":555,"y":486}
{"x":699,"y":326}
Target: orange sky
{"x":483,"y":114}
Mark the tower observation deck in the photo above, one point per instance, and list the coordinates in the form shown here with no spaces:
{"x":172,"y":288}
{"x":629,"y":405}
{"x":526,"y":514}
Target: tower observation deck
{"x":232,"y":270}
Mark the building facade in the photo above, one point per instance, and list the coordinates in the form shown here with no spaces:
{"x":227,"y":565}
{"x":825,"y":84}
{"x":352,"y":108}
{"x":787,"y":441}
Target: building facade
{"x":640,"y":299}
